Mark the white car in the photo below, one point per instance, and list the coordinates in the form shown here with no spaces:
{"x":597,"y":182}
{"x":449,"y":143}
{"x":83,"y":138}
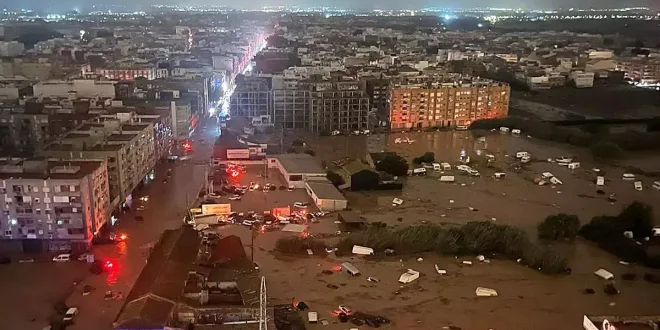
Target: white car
{"x":300,"y":204}
{"x":335,"y":133}
{"x":247,"y":223}
{"x":563,"y":160}
{"x":70,"y":314}
{"x":212,"y":195}
{"x":235,"y":198}
{"x":62,"y":257}
{"x":254,"y":187}
{"x":291,"y":188}
{"x":83,"y":257}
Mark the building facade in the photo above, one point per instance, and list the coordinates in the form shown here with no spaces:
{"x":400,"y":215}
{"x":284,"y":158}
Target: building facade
{"x":291,"y":107}
{"x":434,"y":103}
{"x":342,"y":106}
{"x":644,"y":70}
{"x":22,"y":133}
{"x":252,"y":97}
{"x":75,"y":88}
{"x":52,"y":206}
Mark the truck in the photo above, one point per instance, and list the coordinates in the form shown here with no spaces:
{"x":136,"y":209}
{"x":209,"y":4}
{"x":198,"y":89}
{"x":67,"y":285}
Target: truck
{"x":209,"y":219}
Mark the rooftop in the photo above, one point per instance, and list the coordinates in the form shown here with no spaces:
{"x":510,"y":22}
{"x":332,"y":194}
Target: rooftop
{"x":299,"y":163}
{"x":121,"y":137}
{"x":324,"y":190}
{"x":162,"y":279}
{"x":45,"y":169}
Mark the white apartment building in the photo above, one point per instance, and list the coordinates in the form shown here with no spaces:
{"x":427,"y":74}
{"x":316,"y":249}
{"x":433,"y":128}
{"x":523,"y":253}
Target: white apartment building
{"x":52,"y":205}
{"x":75,"y":88}
{"x":11,"y":48}
{"x":582,"y":79}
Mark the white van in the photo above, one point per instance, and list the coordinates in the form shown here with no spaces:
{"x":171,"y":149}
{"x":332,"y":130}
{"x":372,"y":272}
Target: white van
{"x":515,"y":131}
{"x":62,"y":257}
{"x":504,"y":129}
{"x":628,"y":176}
{"x":574,"y":165}
{"x":312,"y":317}
{"x":521,"y":154}
{"x":656,"y":185}
{"x":437,"y":167}
{"x":445,"y":166}
{"x":419,"y":171}
{"x":350,"y":269}
{"x":638,"y":185}
{"x":600,"y":180}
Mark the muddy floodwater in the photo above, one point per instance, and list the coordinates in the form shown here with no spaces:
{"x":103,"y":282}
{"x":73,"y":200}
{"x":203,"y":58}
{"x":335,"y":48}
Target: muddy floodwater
{"x":515,"y":200}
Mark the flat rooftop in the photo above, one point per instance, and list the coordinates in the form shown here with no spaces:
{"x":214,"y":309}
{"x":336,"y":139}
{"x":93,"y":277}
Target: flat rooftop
{"x":299,"y":163}
{"x":324,"y":190}
{"x":121,"y":137}
{"x":44,"y":169}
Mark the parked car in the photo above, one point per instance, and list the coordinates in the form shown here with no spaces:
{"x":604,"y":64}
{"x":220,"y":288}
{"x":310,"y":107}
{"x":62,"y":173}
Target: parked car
{"x":70,"y":314}
{"x":83,"y":257}
{"x":300,"y":204}
{"x":291,"y":188}
{"x":247,"y":223}
{"x":26,"y":261}
{"x":62,"y":257}
{"x":235,"y":198}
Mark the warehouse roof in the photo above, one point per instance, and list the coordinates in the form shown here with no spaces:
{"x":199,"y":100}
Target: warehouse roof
{"x":324,"y":190}
{"x":299,"y":163}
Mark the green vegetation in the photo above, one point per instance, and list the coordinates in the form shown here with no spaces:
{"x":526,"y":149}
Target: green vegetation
{"x":335,"y":178}
{"x":603,"y":143}
{"x":470,"y":239}
{"x":393,"y":164}
{"x":559,"y":227}
{"x":296,"y":245}
{"x":607,"y":232}
{"x":427,"y":157}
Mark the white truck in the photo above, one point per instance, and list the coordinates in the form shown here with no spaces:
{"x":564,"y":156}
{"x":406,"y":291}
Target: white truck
{"x":209,"y":219}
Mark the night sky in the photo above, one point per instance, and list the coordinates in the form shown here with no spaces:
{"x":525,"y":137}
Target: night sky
{"x":63,"y":5}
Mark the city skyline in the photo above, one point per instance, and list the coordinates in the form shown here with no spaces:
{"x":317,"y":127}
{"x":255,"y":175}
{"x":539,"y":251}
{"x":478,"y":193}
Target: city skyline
{"x":42,"y":5}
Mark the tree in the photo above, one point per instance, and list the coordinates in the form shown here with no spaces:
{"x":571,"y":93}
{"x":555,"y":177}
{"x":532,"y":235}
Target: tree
{"x":393,"y":164}
{"x":560,"y":226}
{"x":335,"y":178}
{"x":427,"y":157}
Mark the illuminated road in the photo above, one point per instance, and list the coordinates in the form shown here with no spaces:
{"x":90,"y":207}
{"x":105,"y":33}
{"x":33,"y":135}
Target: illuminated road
{"x":165,"y":210}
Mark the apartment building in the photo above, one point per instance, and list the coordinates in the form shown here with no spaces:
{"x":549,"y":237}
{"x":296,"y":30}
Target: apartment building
{"x":252,"y":97}
{"x":128,"y":147}
{"x":129,"y":73}
{"x":645,"y":70}
{"x":22,"y":133}
{"x":74,"y":89}
{"x":52,"y":205}
{"x":342,"y":106}
{"x":291,"y":107}
{"x":450,"y":101}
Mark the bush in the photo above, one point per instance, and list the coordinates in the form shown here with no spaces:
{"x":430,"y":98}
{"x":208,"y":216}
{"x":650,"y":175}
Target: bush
{"x":427,"y":157}
{"x":559,"y":227}
{"x":470,"y":239}
{"x":299,"y":245}
{"x":336,"y":179}
{"x":606,"y":150}
{"x":607,"y":232}
{"x":310,"y":152}
{"x":393,"y":164}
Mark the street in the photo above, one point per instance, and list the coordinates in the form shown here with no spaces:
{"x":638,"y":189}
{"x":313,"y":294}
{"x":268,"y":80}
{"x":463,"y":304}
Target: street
{"x":28,"y":303}
{"x":166,"y":206}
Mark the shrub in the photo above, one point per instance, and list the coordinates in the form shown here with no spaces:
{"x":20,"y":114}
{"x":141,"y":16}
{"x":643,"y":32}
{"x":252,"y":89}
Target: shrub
{"x":470,"y":239}
{"x":310,"y":152}
{"x":336,"y":179}
{"x":299,"y":245}
{"x":427,"y":157}
{"x":606,"y":150}
{"x":559,"y":227}
{"x":607,"y":232}
{"x":393,"y":164}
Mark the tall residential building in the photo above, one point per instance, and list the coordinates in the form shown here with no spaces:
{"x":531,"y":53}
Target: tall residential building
{"x":52,"y":205}
{"x":22,"y":133}
{"x":127,"y":145}
{"x":342,"y":106}
{"x":645,"y":70}
{"x":450,"y":101}
{"x":252,"y":97}
{"x":291,"y":107}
